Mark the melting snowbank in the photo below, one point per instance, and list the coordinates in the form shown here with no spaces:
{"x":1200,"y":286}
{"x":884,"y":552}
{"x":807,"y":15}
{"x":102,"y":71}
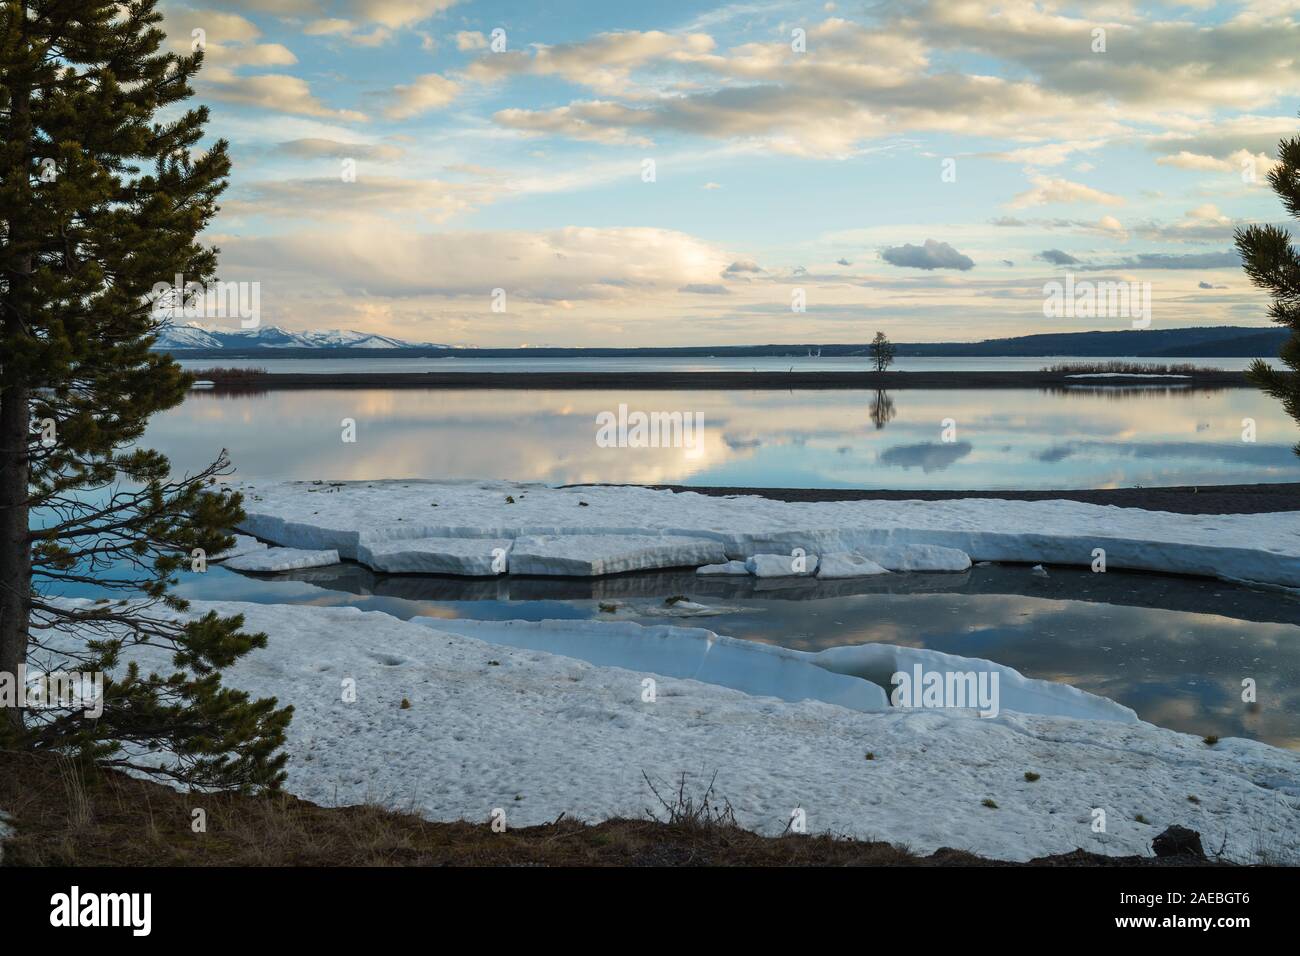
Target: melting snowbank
{"x":539,"y":734}
{"x":768,"y":670}
{"x":683,"y":652}
{"x":878,"y":662}
{"x":681,"y":529}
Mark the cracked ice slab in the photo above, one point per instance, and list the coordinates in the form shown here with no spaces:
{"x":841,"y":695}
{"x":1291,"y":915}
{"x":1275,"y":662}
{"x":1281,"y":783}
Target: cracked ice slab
{"x":475,"y":557}
{"x":917,"y":557}
{"x":726,"y":568}
{"x":588,"y":555}
{"x":848,"y":564}
{"x":282,"y":559}
{"x":244,"y":544}
{"x":1257,"y":547}
{"x":781,"y":565}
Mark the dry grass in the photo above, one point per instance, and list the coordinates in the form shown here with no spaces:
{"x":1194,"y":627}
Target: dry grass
{"x":64,"y":814}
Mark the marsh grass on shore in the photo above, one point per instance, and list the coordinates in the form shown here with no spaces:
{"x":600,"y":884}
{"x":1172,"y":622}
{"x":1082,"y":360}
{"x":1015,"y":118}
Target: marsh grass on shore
{"x":227,"y":374}
{"x":1128,"y":368}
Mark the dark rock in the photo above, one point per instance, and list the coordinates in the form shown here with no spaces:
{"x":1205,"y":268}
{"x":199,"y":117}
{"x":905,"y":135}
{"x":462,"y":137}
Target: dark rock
{"x":1178,"y":841}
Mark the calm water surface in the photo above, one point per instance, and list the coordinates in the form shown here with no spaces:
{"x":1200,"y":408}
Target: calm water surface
{"x":1083,"y":437}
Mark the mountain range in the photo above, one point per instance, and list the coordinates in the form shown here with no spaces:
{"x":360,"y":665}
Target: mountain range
{"x":192,"y":335}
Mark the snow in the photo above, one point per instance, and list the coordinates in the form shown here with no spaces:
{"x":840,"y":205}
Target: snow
{"x":727,"y":567}
{"x":195,"y":335}
{"x":492,"y":726}
{"x":669,"y":608}
{"x":847,"y":564}
{"x":188,"y":336}
{"x":1262,"y":548}
{"x":594,"y":554}
{"x":781,"y":565}
{"x":918,"y":557}
{"x":879,"y":662}
{"x":282,"y":559}
{"x":244,"y":544}
{"x":464,"y":556}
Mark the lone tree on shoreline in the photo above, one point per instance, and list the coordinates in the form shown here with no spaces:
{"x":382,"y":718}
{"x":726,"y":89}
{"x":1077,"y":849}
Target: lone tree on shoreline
{"x":882,"y":352}
{"x":1273,"y":263}
{"x":100,"y":201}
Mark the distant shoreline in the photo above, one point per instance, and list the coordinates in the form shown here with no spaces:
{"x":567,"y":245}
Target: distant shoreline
{"x":245,"y":381}
{"x":1224,"y":341}
{"x":1260,"y":498}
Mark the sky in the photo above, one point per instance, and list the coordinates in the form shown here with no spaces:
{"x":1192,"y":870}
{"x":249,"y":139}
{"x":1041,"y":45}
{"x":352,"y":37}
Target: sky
{"x":682,"y":173}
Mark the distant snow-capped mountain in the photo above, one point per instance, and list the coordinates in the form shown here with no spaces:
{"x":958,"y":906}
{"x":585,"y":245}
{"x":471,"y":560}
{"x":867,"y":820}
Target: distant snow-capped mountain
{"x":192,"y":335}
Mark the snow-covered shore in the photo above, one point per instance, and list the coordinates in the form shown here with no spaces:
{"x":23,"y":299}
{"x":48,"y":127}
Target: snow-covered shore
{"x":536,"y":734}
{"x":484,"y":527}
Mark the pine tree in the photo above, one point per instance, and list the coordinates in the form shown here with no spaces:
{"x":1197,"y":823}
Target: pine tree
{"x":882,"y":352}
{"x":1273,"y":263}
{"x":103,"y":194}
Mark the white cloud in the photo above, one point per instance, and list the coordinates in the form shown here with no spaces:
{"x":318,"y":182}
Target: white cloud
{"x":1207,"y":212}
{"x":1048,"y":190}
{"x":315,"y":147}
{"x":228,"y":41}
{"x":856,"y":83}
{"x":279,"y":92}
{"x":1110,"y":224}
{"x":563,"y":264}
{"x":368,"y":198}
{"x":398,"y":13}
{"x":425,"y":93}
{"x":1253,"y":167}
{"x":1045,"y":154}
{"x":597,"y":121}
{"x":602,"y":63}
{"x":349,"y":31}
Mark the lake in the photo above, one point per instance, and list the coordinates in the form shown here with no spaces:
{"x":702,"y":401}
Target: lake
{"x":1174,"y":649}
{"x":1082,"y":437}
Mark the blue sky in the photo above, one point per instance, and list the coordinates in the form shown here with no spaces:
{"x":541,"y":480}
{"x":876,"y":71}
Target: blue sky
{"x":921,"y":168}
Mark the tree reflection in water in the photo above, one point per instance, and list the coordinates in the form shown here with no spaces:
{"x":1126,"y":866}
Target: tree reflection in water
{"x":882,"y":409}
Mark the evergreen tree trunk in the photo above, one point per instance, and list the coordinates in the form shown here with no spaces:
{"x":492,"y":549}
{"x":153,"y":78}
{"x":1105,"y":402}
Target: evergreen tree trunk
{"x":15,"y":425}
{"x":15,"y":553}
